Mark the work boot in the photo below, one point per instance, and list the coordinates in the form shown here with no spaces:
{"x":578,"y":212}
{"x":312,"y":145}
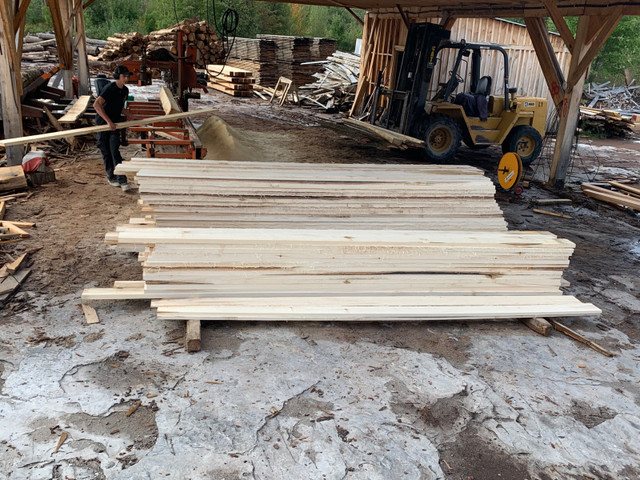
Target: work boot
{"x":113,"y":182}
{"x":125,"y":187}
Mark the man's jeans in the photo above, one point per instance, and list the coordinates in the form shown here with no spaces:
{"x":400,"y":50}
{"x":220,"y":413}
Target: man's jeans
{"x":109,"y":145}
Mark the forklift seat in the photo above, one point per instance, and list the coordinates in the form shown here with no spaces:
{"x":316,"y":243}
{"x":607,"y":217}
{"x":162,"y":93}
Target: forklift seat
{"x":484,"y":86}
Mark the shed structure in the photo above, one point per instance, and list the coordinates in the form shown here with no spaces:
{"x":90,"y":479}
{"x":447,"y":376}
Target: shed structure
{"x":597,"y":19}
{"x":524,"y":68}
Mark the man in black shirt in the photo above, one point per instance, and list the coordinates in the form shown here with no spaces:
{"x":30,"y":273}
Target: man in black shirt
{"x":109,"y":109}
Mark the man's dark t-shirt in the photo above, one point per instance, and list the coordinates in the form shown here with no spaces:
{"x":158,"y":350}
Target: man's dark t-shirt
{"x":114,"y":99}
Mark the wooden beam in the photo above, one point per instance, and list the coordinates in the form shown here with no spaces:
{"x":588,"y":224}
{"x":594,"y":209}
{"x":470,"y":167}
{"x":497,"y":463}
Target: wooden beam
{"x":84,"y":85}
{"x":21,"y":14}
{"x":447,"y":21}
{"x":10,"y":83}
{"x":547,"y":58}
{"x":583,"y":54}
{"x":559,"y":22}
{"x":596,"y":44}
{"x":353,"y":14}
{"x":403,"y":15}
{"x":192,"y":336}
{"x":99,"y":128}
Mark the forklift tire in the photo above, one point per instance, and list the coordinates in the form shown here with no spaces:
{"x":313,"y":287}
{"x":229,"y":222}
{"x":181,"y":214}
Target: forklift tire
{"x":526,"y":141}
{"x":442,"y":138}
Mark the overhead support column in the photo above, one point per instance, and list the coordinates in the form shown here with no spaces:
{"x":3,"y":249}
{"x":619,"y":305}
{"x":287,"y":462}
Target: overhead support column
{"x":62,"y":18}
{"x":80,"y":44}
{"x":590,"y":38}
{"x":12,"y":14}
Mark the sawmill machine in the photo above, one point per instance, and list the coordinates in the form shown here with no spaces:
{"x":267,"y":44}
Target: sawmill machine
{"x":443,"y":119}
{"x":178,"y":71}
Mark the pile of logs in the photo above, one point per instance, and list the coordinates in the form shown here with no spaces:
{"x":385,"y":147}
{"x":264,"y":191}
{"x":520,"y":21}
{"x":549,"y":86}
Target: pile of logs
{"x":123,"y":45}
{"x":335,"y":88}
{"x":42,"y":47}
{"x":201,"y":35}
{"x":196,"y":34}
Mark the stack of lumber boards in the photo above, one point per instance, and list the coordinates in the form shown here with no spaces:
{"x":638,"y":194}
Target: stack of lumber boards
{"x":292,"y":57}
{"x":607,"y":122}
{"x":623,"y":195}
{"x":230,"y":80}
{"x":251,"y":241}
{"x":256,"y":55}
{"x":202,"y":193}
{"x":196,"y":34}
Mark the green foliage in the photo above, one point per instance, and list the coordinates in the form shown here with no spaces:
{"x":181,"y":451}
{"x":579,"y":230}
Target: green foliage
{"x":622,"y":50}
{"x":105,"y":17}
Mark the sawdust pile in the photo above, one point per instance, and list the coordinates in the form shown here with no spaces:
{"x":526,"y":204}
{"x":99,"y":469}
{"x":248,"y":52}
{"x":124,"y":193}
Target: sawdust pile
{"x":227,"y":143}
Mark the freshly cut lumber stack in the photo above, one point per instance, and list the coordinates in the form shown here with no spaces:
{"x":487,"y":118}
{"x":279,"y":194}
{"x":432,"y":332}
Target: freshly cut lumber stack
{"x":230,"y":80}
{"x":198,"y":193}
{"x":289,"y":241}
{"x":196,"y":34}
{"x":256,"y":55}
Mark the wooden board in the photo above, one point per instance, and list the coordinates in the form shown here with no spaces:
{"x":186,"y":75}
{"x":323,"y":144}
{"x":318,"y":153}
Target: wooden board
{"x":100,"y":128}
{"x":77,"y":110}
{"x":228,"y":71}
{"x":90,"y":314}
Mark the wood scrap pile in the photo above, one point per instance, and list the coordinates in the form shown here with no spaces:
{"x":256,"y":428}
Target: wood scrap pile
{"x":613,"y":111}
{"x":289,"y":241}
{"x":230,"y":80}
{"x":200,"y":35}
{"x":606,"y":122}
{"x":256,"y":55}
{"x":617,"y":193}
{"x":42,"y":47}
{"x":334,"y":89}
{"x":623,"y":98}
{"x":12,"y":273}
{"x":123,"y":46}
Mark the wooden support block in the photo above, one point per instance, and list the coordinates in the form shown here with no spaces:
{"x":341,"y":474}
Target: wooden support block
{"x":12,"y":178}
{"x":3,"y":209}
{"x":90,"y":314}
{"x":192,"y":336}
{"x":538,"y":325}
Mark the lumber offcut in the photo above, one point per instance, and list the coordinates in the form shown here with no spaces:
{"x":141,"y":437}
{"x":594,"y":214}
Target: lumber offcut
{"x":12,"y":178}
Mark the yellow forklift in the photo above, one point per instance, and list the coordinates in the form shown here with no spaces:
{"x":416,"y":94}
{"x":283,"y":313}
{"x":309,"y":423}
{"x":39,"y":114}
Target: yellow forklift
{"x":474,"y":116}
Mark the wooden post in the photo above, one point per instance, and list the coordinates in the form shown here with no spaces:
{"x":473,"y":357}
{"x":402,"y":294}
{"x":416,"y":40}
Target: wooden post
{"x":547,"y":58}
{"x":84,"y":86}
{"x":590,"y":38}
{"x":62,"y":16}
{"x":10,"y":80}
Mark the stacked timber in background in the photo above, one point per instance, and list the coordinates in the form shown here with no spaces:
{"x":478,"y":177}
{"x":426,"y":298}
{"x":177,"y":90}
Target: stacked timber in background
{"x":274,"y":56}
{"x":334,"y":89}
{"x":42,"y":47}
{"x":289,"y":241}
{"x":256,"y":55}
{"x":607,"y":122}
{"x":196,"y":34}
{"x":230,"y":80}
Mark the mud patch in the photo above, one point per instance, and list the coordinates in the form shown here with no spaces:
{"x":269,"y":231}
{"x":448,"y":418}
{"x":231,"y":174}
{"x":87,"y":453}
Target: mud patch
{"x":589,"y":416}
{"x":139,"y":430}
{"x":78,"y":468}
{"x":114,"y":373}
{"x":471,"y":457}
